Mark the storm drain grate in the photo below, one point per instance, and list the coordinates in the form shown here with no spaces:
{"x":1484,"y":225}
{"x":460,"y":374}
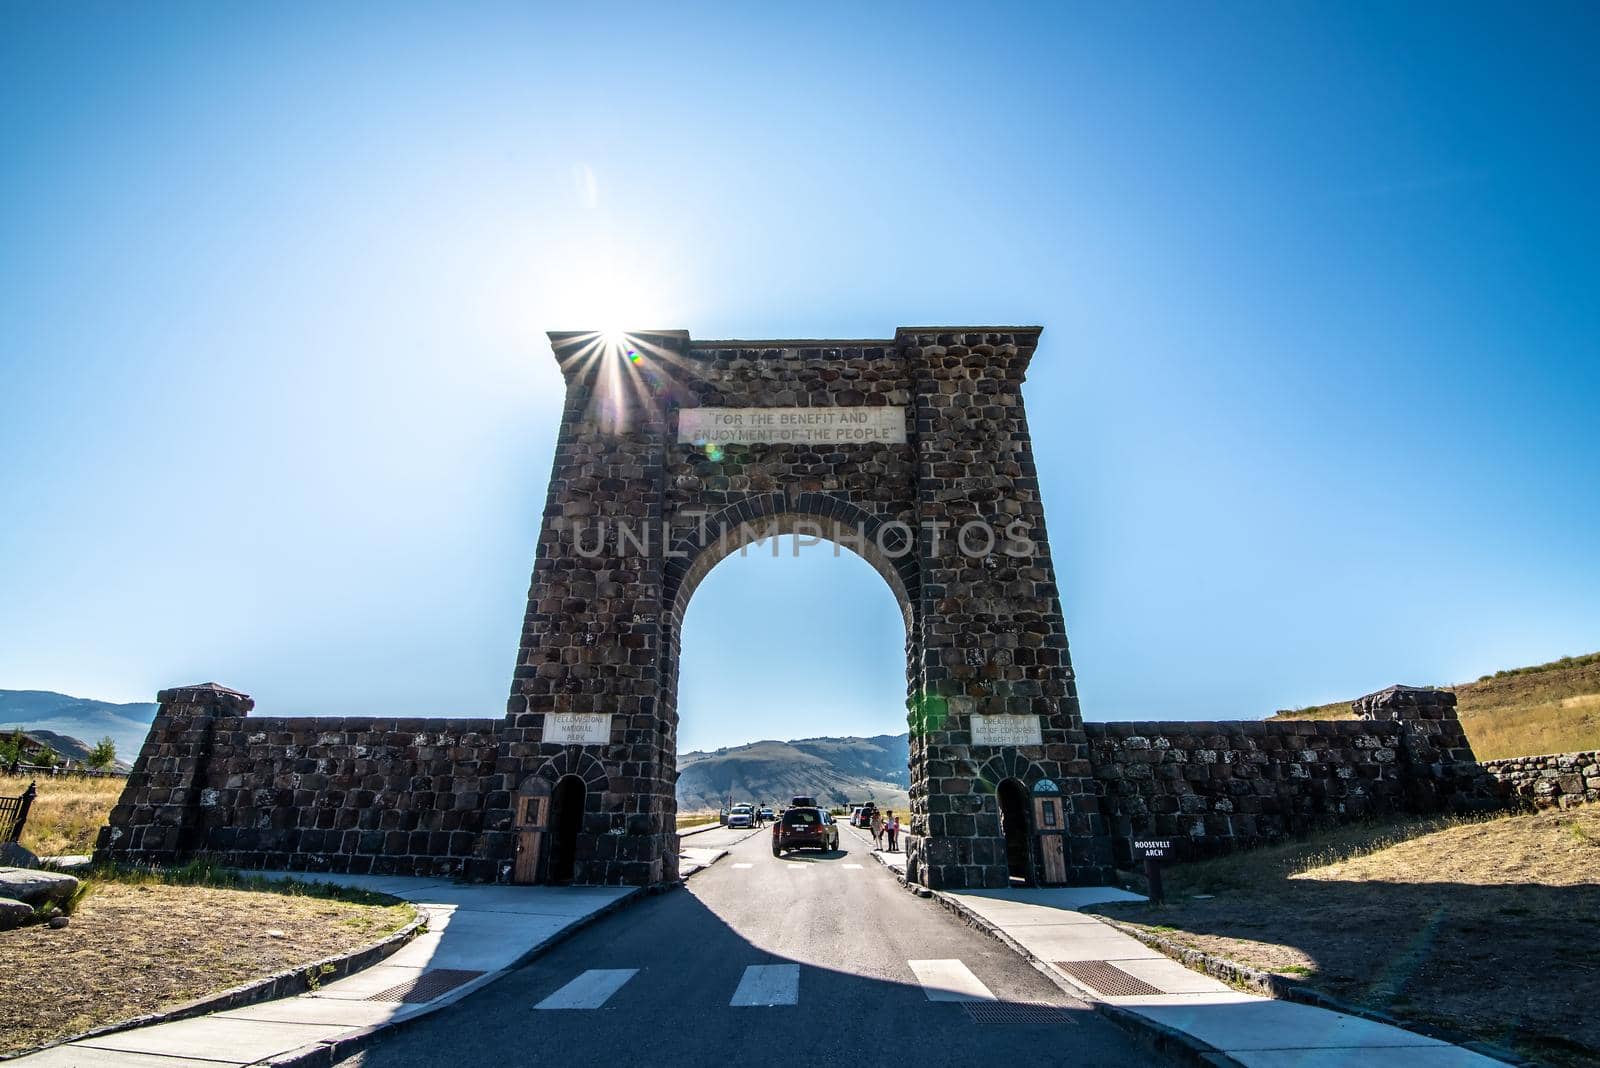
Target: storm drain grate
{"x":1015,"y":1012}
{"x":426,"y":986}
{"x":1106,"y":979}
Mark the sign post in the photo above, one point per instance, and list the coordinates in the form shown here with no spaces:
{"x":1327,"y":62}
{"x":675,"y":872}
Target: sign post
{"x":1154,"y":851}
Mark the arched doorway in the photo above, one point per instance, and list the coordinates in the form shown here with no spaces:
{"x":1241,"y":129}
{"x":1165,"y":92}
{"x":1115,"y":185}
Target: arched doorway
{"x":566,"y":820}
{"x":1013,"y":797}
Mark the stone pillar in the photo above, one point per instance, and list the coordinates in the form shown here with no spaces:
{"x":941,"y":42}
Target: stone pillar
{"x":993,"y":641}
{"x":591,"y":640}
{"x":1437,"y":760}
{"x":157,"y":818}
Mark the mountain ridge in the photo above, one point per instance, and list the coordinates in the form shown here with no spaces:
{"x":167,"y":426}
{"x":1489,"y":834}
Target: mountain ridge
{"x":79,"y":718}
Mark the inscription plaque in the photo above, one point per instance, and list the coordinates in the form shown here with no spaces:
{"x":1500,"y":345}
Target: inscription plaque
{"x":776,"y":426}
{"x":1006,"y":730}
{"x":577,"y":728}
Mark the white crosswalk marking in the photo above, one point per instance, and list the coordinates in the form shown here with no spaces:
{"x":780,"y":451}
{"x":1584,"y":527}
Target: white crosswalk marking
{"x":851,"y":867}
{"x":590,"y":990}
{"x":744,"y":865}
{"x":949,"y":980}
{"x":795,"y":867}
{"x":768,"y":984}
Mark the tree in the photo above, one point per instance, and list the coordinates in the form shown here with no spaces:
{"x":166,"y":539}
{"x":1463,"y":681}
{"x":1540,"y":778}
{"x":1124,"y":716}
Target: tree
{"x":44,"y":756}
{"x":11,"y":747}
{"x":103,"y":755}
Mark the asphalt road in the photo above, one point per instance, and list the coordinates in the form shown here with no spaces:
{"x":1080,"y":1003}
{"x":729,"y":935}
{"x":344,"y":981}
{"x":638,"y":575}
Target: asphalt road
{"x":805,"y":960}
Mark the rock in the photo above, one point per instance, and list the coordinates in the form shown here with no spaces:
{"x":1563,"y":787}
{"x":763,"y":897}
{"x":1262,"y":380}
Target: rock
{"x":36,"y":887}
{"x":13,"y":913}
{"x":58,"y":922}
{"x":15,"y":855}
{"x":275,"y":933}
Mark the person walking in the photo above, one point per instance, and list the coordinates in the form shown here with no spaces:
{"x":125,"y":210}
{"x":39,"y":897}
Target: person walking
{"x":893,"y":827}
{"x":877,"y":830}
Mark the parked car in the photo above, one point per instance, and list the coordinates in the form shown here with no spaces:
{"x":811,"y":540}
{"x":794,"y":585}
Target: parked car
{"x":863,"y":816}
{"x":804,"y":827}
{"x":766,"y":813}
{"x":742,"y":816}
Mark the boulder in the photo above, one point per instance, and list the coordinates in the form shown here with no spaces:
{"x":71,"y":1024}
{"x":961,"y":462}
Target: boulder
{"x":14,"y":855}
{"x":13,"y":913}
{"x":36,"y":887}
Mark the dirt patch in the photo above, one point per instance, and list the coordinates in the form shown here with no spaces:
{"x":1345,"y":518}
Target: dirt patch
{"x":1487,"y":928}
{"x":135,"y":949}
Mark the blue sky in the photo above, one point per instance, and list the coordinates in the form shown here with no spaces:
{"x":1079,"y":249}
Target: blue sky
{"x":1315,"y":407}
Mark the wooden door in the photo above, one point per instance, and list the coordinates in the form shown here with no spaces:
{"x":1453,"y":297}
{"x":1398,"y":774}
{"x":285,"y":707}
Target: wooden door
{"x":530,"y":826}
{"x":1047,"y":820}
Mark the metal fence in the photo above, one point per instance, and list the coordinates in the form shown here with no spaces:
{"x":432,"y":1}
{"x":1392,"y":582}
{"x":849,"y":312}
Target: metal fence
{"x":14,"y":813}
{"x":59,"y":770}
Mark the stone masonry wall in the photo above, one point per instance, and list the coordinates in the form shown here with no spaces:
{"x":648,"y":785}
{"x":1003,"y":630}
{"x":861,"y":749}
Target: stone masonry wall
{"x":388,"y":796}
{"x":1559,"y":780}
{"x":1215,"y":787}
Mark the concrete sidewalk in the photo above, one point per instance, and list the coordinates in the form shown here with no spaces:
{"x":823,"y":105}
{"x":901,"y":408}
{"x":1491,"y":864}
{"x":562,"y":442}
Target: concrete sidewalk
{"x":1220,"y":1024}
{"x":476,"y":932}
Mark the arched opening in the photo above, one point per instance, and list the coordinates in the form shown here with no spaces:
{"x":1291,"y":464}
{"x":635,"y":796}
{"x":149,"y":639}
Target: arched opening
{"x":1013,"y":797}
{"x":810,"y":649}
{"x":566,"y":820}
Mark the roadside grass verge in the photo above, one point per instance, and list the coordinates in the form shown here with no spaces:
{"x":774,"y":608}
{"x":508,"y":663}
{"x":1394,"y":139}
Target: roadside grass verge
{"x":1484,"y":926}
{"x":146,"y":939}
{"x":67,"y":813}
{"x":695,"y":819}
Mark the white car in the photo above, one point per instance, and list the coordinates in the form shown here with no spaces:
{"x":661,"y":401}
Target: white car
{"x":741,"y":816}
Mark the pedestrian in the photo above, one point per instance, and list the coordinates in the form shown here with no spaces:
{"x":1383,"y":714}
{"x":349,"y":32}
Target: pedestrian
{"x":893,"y":827}
{"x":877,"y":830}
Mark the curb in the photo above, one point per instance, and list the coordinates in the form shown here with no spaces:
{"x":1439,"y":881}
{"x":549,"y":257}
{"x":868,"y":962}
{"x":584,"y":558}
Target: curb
{"x":328,"y":1052}
{"x":1152,"y":1036}
{"x":278,"y":985}
{"x":1180,"y":1044}
{"x":1272,"y":985}
{"x":700,"y":829}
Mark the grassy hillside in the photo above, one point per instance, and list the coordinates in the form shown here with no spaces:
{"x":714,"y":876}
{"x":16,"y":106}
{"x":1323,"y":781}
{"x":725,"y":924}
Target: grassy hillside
{"x":1412,"y":919}
{"x":834,"y":770}
{"x":1546,"y":708}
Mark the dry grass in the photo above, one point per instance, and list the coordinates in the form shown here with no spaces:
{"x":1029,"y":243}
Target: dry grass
{"x":1484,"y":926}
{"x":1551,"y":708}
{"x":68,"y":812}
{"x":138,"y":946}
{"x":695,"y":819}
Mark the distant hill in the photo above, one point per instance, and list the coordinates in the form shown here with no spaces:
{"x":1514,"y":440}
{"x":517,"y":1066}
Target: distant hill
{"x":1545,"y":708}
{"x":834,"y":770}
{"x":41,"y":711}
{"x":74,"y":749}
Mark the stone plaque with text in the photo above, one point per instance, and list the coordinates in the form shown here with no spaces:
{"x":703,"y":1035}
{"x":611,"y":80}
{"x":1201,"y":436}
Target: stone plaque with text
{"x":1006,"y":730}
{"x":577,"y":728}
{"x":801,"y":426}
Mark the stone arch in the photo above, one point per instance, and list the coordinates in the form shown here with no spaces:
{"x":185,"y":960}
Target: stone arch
{"x":571,"y":761}
{"x":886,"y":546}
{"x":1009,"y":764}
{"x":890,"y":447}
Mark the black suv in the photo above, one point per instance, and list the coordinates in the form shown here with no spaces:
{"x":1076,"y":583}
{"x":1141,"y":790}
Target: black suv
{"x":804,"y":827}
